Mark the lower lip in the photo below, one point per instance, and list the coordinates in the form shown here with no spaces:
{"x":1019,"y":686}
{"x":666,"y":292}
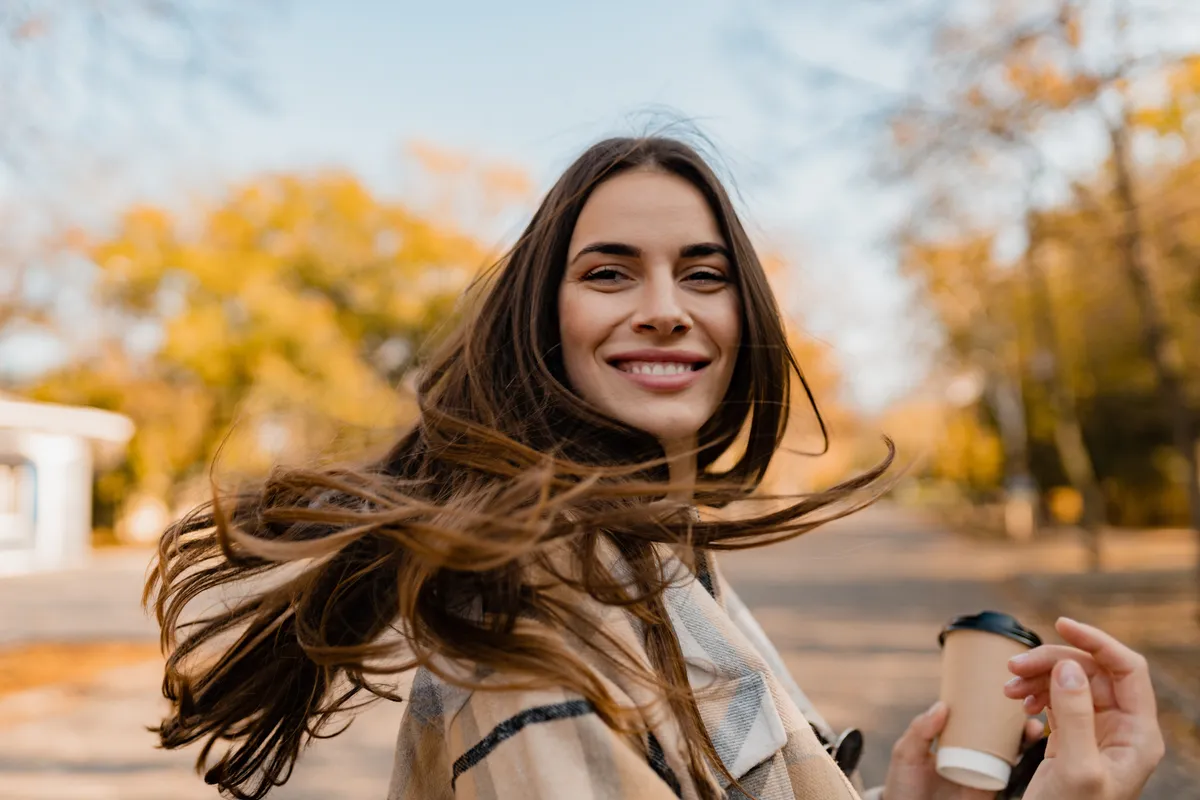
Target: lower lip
{"x":663,"y":383}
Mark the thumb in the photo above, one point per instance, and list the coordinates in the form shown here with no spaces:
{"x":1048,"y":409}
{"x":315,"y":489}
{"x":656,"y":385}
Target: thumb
{"x":913,"y":746}
{"x":1074,"y":715}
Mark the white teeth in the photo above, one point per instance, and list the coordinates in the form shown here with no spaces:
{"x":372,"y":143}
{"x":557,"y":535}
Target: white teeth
{"x":657,"y":368}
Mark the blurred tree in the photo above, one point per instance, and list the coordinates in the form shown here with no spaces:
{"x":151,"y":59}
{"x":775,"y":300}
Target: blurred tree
{"x":1014,"y":108}
{"x":1078,"y":66}
{"x":1047,"y":367}
{"x":82,"y":84}
{"x":1009,"y":76}
{"x":1100,"y":326}
{"x":291,"y":313}
{"x":972,"y":295}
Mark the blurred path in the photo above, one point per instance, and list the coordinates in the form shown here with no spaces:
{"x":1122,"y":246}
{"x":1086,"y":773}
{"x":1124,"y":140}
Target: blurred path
{"x":87,"y":740}
{"x":855,"y":609}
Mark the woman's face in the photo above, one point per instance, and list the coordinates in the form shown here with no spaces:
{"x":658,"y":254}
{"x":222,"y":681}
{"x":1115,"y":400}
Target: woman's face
{"x":649,"y":312}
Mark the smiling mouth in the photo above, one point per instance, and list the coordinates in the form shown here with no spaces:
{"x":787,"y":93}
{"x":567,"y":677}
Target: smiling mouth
{"x":664,"y":368}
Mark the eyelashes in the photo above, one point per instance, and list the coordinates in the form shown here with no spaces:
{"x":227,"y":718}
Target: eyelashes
{"x":613,"y":275}
{"x":707,"y":276}
{"x":603,"y":275}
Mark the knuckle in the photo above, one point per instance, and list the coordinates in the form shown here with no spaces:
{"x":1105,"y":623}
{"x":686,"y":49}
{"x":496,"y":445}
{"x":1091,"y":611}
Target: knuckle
{"x":1140,"y":663}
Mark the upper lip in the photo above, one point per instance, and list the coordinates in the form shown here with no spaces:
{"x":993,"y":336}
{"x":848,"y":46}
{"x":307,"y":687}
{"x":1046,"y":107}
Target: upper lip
{"x":663,"y":356}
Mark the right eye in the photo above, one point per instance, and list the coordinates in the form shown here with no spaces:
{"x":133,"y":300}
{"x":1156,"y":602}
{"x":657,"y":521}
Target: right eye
{"x":604,"y":275}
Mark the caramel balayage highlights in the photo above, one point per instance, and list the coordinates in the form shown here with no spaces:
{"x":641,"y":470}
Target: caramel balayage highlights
{"x":352,"y":575}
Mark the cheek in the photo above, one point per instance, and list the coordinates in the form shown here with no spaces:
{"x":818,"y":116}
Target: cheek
{"x":725,"y":331}
{"x":727,"y":328}
{"x":578,"y":335}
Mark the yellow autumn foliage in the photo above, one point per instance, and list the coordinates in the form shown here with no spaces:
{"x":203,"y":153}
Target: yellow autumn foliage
{"x":285,"y":318}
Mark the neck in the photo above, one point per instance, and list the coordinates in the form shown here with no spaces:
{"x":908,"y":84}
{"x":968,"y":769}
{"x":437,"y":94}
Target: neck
{"x":681,"y":467}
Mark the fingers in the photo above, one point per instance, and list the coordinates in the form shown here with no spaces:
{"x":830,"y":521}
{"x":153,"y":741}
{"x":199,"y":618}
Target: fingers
{"x":913,"y":746}
{"x":1131,"y":673}
{"x":1075,"y":730}
{"x":1119,"y":675}
{"x":1035,"y":691}
{"x":1035,"y":729}
{"x":1039,"y":661}
{"x":1032,"y":671}
{"x":1019,"y":688}
{"x":1036,"y":703}
{"x":1107,"y":651}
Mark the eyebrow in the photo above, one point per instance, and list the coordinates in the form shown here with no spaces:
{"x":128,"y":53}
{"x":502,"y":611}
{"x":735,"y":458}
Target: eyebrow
{"x":699,"y":250}
{"x":704,"y":249}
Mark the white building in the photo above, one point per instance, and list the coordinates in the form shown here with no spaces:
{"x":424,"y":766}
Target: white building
{"x":48,"y":454}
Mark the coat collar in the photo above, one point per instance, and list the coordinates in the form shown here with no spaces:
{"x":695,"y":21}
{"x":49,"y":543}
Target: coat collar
{"x":758,"y":731}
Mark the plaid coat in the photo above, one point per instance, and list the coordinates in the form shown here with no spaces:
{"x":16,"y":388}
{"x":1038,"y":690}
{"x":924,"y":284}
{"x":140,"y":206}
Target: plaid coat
{"x":456,"y":744}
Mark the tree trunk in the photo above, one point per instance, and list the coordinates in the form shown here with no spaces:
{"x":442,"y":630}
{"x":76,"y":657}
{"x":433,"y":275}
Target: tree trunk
{"x":1020,"y":505}
{"x":1068,"y":433}
{"x":1160,"y":347}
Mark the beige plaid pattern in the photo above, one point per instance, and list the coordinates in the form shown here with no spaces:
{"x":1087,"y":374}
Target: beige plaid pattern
{"x":456,"y":744}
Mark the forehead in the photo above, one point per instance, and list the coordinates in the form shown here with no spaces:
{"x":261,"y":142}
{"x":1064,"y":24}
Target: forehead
{"x":643,"y":207}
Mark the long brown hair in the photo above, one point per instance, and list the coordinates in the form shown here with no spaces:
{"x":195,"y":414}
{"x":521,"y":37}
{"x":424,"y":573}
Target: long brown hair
{"x":422,"y":557}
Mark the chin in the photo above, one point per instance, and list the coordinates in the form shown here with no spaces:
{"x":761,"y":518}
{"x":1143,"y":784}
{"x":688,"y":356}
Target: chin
{"x":666,"y":430}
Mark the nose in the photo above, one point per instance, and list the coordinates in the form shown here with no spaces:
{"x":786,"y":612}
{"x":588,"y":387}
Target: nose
{"x":660,"y":310}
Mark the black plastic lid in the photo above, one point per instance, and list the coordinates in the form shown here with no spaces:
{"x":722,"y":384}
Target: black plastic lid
{"x":993,"y":622}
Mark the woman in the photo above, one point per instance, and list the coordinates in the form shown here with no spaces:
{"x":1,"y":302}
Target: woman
{"x":532,"y":547}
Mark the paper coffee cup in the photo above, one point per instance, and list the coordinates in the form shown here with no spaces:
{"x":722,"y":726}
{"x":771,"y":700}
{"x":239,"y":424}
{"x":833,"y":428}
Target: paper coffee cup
{"x":982,"y":737}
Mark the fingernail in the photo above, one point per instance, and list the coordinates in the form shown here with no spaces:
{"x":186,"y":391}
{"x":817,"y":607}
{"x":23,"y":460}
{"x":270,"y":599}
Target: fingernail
{"x":1070,"y":676}
{"x":1019,"y":660}
{"x":933,"y":709}
{"x":1013,"y":681}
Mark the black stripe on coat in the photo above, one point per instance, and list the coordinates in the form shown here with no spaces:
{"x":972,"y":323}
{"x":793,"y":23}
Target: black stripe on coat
{"x":511,"y":726}
{"x":704,"y":574}
{"x":658,"y":763}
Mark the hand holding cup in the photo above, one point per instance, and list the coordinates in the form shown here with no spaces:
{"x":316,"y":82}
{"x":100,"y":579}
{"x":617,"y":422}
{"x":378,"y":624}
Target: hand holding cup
{"x":1105,"y":739}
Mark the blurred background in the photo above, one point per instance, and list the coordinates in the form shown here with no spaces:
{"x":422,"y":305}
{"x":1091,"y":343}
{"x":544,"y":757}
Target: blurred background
{"x":237,"y":225}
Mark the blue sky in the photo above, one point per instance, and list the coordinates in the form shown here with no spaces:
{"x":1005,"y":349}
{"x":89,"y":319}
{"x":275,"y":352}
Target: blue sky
{"x":533,"y":82}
